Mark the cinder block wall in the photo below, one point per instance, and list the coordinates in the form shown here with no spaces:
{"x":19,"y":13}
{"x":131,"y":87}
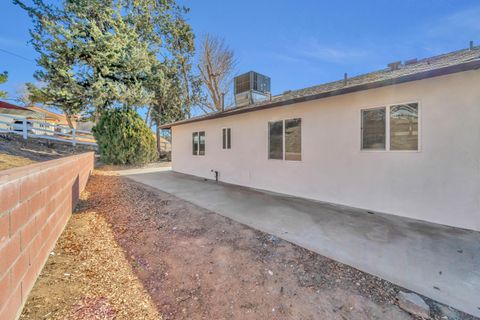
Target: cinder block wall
{"x":36,"y":202}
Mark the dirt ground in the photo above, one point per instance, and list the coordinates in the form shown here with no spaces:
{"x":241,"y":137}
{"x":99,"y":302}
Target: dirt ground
{"x":17,"y":152}
{"x":131,"y":252}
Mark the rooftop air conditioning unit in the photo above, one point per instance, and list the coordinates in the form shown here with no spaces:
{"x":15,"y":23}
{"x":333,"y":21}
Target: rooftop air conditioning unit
{"x":251,"y":87}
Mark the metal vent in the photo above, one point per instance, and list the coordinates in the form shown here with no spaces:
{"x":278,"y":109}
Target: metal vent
{"x":394,"y":65}
{"x":252,"y":81}
{"x":410,"y":62}
{"x":251,"y":87}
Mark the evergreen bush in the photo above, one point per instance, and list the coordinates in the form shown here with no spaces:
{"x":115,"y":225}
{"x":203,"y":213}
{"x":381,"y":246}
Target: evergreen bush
{"x":124,"y":138}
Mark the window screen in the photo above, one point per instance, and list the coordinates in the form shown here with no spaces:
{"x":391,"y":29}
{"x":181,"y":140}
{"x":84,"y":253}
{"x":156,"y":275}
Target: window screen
{"x":275,"y":140}
{"x":373,"y":129}
{"x":404,"y":127}
{"x":226,"y":138}
{"x":201,"y":149}
{"x":293,"y":139}
{"x":195,"y":143}
{"x":229,"y":138}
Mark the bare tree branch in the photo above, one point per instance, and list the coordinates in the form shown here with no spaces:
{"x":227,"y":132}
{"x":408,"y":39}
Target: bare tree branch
{"x":216,"y":66}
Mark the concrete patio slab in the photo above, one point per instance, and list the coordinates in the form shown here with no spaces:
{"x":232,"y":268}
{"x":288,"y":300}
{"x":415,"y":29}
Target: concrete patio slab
{"x":440,"y":262}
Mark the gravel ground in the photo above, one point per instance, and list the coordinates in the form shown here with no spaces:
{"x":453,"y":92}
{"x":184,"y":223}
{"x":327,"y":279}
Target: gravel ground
{"x":88,"y":277}
{"x":132,"y":252}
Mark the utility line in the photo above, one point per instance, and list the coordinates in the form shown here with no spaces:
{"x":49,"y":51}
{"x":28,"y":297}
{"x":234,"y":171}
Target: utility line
{"x":16,"y":55}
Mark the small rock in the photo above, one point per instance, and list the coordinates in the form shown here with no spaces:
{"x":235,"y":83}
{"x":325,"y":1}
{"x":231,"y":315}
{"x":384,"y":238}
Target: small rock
{"x":413,"y":304}
{"x":270,"y":272}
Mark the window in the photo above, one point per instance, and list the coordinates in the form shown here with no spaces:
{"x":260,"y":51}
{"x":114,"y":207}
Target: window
{"x":201,"y":149}
{"x":293,"y":139}
{"x":195,"y":143}
{"x":401,"y":131}
{"x":285,"y":135}
{"x":226,"y":138}
{"x":275,"y":140}
{"x":373,"y":129}
{"x":198,"y":143}
{"x":404,"y":127}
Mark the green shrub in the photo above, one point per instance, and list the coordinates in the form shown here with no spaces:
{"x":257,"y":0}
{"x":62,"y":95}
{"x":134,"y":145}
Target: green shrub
{"x":124,"y":138}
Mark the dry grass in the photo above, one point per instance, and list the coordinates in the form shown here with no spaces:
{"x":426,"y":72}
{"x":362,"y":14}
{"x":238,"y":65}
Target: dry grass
{"x":8,"y":161}
{"x":17,"y":152}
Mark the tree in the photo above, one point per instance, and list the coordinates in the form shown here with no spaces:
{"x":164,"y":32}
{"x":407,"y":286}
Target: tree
{"x":216,"y":67}
{"x":3,"y":79}
{"x":174,"y":87}
{"x":100,"y":54}
{"x":93,"y":54}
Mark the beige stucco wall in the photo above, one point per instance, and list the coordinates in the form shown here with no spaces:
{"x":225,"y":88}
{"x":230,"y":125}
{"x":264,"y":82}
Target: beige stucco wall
{"x":440,"y":183}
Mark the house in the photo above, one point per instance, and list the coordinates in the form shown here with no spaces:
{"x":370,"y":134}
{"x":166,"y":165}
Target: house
{"x":52,"y":117}
{"x":40,"y":121}
{"x":404,"y":140}
{"x":9,"y":111}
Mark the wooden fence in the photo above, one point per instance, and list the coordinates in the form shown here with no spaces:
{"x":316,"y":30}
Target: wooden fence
{"x":42,"y":129}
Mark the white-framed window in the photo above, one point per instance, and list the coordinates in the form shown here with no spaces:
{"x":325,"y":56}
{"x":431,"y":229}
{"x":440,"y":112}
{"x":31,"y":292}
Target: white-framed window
{"x":285,"y":139}
{"x":198,"y":143}
{"x":391,"y":128}
{"x":226,"y":138}
{"x":374,"y":129}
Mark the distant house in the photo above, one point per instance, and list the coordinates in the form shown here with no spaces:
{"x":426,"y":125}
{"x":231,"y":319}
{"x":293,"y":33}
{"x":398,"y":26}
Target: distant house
{"x":404,"y":140}
{"x":37,"y":118}
{"x":52,"y":117}
{"x":8,"y":111}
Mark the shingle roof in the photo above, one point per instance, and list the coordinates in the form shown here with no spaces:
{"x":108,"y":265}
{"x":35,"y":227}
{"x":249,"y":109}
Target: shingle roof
{"x":457,"y":61}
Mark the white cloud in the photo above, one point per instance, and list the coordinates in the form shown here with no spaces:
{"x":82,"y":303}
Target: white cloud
{"x":307,"y":50}
{"x":461,"y":23}
{"x":336,"y":53}
{"x":465,"y":20}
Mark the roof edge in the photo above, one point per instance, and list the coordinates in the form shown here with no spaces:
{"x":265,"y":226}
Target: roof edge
{"x":466,"y":66}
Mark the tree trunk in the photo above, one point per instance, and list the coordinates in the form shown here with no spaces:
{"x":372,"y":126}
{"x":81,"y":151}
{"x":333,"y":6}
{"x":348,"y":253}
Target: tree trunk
{"x":69,"y":120}
{"x":97,"y":116}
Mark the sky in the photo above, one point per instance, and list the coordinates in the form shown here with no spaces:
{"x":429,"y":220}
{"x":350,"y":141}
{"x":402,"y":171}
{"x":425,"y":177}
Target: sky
{"x":297,"y":43}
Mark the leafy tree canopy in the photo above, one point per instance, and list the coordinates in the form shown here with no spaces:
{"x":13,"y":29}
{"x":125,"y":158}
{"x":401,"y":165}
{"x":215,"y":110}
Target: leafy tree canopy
{"x":101,"y":53}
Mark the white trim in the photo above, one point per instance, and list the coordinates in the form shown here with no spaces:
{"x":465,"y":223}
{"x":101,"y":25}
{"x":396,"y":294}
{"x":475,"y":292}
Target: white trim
{"x":268,"y":139}
{"x":197,"y":143}
{"x":387,"y":108}
{"x":226,"y":138}
{"x":361,"y":129}
{"x":301,"y":140}
{"x":283,"y":139}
